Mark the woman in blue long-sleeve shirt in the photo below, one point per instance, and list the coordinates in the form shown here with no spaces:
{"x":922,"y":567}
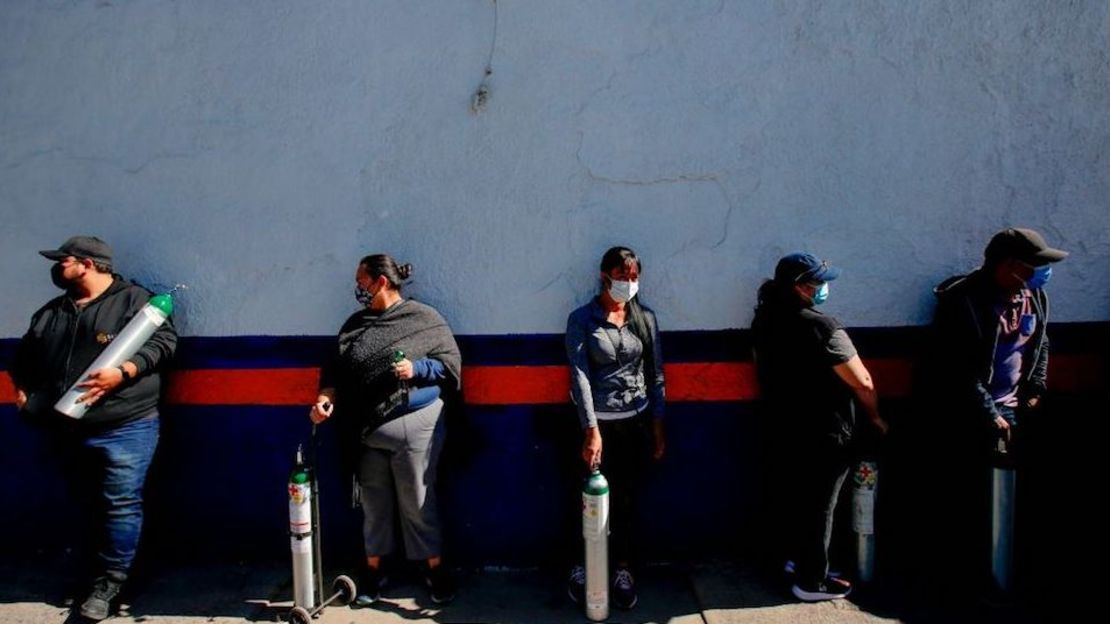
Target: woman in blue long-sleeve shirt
{"x":616,"y":371}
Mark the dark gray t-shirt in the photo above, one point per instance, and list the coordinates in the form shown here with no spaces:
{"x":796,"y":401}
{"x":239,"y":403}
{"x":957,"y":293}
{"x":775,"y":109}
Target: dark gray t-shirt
{"x":796,"y":350}
{"x":839,"y":347}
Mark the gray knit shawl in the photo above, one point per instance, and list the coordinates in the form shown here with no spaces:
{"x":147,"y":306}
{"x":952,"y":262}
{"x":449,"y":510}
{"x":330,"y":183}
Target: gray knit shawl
{"x":363,"y":369}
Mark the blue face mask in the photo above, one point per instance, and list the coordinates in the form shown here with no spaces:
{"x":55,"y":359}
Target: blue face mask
{"x":1039,"y":278}
{"x":822,"y":294}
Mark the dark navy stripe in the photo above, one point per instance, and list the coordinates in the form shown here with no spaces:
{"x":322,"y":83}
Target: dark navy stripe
{"x":238,"y":352}
{"x":512,"y":350}
{"x":1091,"y":338}
{"x":7,"y":351}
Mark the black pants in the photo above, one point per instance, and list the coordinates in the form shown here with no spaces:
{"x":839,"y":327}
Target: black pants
{"x":961,"y":526}
{"x":624,"y":460}
{"x":822,"y":471}
{"x":624,"y":454}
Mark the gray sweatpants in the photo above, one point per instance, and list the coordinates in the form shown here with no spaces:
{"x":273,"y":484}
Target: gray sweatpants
{"x":398,"y":463}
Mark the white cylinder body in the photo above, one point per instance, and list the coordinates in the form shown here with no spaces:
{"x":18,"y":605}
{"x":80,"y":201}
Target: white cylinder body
{"x":595,"y":533}
{"x":864,"y":485}
{"x":1003,"y":495}
{"x":300,"y":543}
{"x":134,"y":335}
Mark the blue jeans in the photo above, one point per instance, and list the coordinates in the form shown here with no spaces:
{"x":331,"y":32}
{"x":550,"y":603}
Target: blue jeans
{"x":115,"y":464}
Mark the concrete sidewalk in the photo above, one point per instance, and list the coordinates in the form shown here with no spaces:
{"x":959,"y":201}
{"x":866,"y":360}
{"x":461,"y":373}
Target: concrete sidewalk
{"x":709,"y":593}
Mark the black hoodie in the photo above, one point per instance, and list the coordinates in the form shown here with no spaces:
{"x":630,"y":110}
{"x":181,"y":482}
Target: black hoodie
{"x":964,"y":334}
{"x":63,"y":341}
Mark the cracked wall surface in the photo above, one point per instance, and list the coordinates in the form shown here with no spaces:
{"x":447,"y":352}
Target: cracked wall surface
{"x":255,"y":150}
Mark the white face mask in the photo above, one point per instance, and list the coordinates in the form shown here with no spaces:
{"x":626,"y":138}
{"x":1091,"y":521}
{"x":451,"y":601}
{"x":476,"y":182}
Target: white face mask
{"x":623,"y":292}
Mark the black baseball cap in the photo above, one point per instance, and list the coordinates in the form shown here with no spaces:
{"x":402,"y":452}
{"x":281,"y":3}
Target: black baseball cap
{"x":1022,"y":244}
{"x":89,"y":247}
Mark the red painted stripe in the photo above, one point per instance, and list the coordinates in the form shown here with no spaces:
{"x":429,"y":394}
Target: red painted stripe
{"x":532,"y":385}
{"x":7,"y":388}
{"x":510,"y":385}
{"x":711,"y":381}
{"x":1078,"y":373}
{"x":267,"y":386}
{"x":893,"y":377}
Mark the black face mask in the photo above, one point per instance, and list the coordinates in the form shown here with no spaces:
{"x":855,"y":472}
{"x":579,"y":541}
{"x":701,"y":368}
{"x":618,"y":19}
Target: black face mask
{"x":56,"y":276}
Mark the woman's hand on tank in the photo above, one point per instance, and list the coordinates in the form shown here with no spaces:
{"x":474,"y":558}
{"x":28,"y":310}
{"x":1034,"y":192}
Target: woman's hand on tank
{"x":321,"y":410}
{"x":591,"y":448}
{"x":403,"y":369}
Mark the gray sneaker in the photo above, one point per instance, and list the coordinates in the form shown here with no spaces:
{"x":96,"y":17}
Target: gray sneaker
{"x":99,"y":603}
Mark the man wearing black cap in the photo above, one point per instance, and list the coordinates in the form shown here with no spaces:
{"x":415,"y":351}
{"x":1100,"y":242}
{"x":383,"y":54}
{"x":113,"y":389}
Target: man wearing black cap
{"x":110,"y":448}
{"x":812,"y":379}
{"x":989,"y":363}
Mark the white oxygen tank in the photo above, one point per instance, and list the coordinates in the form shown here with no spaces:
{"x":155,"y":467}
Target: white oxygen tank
{"x":865,"y":480}
{"x":301,"y":534}
{"x":134,"y":335}
{"x":1003,"y":497}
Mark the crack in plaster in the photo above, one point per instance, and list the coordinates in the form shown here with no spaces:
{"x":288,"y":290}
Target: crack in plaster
{"x":102,"y":160}
{"x":32,"y":156}
{"x":560,"y":276}
{"x":481,"y":95}
{"x":683,"y":178}
{"x":676,"y":179}
{"x":596,"y":92}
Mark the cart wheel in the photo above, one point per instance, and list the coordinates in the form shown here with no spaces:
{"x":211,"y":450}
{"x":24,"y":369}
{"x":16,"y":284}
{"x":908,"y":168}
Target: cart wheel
{"x":345,"y":588}
{"x":300,"y":615}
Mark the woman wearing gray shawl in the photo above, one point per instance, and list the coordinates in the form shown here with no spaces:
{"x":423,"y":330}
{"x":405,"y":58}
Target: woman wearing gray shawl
{"x":393,"y":360}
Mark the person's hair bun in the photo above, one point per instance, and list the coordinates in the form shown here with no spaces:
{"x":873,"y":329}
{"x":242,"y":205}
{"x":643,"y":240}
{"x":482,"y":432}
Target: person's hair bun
{"x":405,"y":271}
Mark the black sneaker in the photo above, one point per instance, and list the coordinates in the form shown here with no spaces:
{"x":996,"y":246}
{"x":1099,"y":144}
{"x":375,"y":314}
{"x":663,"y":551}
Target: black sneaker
{"x":441,"y":584}
{"x":576,"y":584}
{"x":624,"y":589}
{"x":370,"y":584}
{"x":104,"y":591}
{"x":831,"y":589}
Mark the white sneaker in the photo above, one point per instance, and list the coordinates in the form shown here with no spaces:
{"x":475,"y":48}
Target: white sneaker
{"x":823,"y":591}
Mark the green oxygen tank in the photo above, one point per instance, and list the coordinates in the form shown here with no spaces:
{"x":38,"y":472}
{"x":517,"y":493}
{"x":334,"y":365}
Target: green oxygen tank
{"x":402,"y":385}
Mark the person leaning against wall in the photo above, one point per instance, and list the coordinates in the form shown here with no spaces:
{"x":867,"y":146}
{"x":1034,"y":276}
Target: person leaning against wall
{"x":616,"y":367}
{"x":108,"y":451}
{"x":986,"y":374}
{"x":812,"y":379}
{"x":394,"y":360}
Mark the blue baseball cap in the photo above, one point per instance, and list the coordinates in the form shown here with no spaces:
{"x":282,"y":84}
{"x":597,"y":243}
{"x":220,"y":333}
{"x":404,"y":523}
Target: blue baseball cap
{"x":802,"y":267}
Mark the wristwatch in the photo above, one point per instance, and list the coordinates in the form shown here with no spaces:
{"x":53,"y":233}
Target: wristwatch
{"x":126,"y":375}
